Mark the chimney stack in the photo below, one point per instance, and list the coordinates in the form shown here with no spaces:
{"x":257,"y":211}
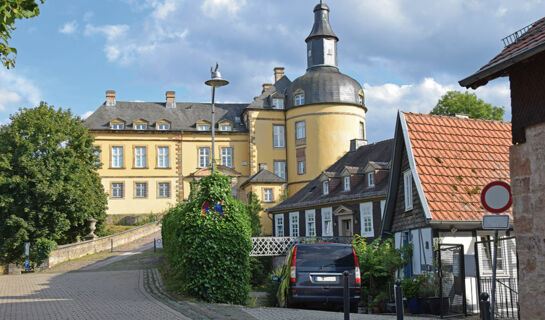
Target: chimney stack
{"x":171,"y":99}
{"x":266,"y":86}
{"x":355,"y":144}
{"x":278,"y":73}
{"x":110,"y":98}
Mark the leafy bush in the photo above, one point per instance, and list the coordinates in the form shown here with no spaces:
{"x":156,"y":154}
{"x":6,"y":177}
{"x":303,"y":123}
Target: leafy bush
{"x":209,"y":253}
{"x":40,"y":250}
{"x":260,"y":269}
{"x":272,"y":288}
{"x":413,"y":286}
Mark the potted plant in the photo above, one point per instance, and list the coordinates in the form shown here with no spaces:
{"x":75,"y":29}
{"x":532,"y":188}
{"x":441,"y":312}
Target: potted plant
{"x":431,"y":298}
{"x":411,"y":291}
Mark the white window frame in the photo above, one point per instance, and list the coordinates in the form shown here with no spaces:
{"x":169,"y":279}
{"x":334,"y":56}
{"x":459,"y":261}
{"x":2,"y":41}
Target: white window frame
{"x":204,"y":157}
{"x":117,"y":157}
{"x":294,"y":224}
{"x":371,"y":179}
{"x":163,"y":157}
{"x":140,"y":126}
{"x":279,"y":137}
{"x":117,"y":190}
{"x":163,"y":189}
{"x":300,"y":99}
{"x":310,"y":223}
{"x":279,"y":224}
{"x":163,"y":126}
{"x":139,"y":157}
{"x":268,"y":195}
{"x":382,"y":208}
{"x":203,"y":127}
{"x":362,"y":128}
{"x":141,"y":190}
{"x":408,"y":189}
{"x":227,"y":157}
{"x":325,"y":188}
{"x":366,"y":219}
{"x":327,"y":216}
{"x":346,"y":181}
{"x":278,"y":103}
{"x":300,"y":167}
{"x":280,"y":169}
{"x":300,"y":130}
{"x":226,"y":127}
{"x":117,"y":126}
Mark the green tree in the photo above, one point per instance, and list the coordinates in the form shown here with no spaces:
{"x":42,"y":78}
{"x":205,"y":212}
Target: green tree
{"x":49,"y":187}
{"x":455,"y":102}
{"x":254,"y":208}
{"x":10,"y":11}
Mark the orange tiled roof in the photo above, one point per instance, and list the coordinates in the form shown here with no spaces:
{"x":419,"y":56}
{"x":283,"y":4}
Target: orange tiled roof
{"x":455,"y":158}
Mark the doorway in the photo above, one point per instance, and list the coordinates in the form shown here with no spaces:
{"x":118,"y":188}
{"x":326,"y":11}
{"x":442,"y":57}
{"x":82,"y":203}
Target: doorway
{"x":346,"y":228}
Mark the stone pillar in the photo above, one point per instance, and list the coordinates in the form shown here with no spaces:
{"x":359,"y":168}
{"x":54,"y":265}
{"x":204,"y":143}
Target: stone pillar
{"x":527,"y":164}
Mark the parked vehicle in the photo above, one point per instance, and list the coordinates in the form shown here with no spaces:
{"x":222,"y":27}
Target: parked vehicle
{"x":313,"y":275}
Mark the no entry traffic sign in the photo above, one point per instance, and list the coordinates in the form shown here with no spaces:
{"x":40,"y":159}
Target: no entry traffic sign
{"x":496,"y":197}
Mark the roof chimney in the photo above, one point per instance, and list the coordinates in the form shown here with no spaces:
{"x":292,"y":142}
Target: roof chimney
{"x":278,"y":73}
{"x":461,"y":116}
{"x":110,"y":98}
{"x":355,"y":144}
{"x":171,"y":99}
{"x":266,"y":86}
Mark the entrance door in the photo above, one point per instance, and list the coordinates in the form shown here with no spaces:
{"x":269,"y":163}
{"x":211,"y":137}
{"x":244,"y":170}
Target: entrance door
{"x":346,"y":229}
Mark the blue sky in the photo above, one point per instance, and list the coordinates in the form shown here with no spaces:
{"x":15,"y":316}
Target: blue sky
{"x":406,"y":54}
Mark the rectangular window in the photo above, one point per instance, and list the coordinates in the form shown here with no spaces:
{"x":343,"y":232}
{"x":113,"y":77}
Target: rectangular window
{"x":300,"y":99}
{"x":327,"y":222}
{"x":300,"y":130}
{"x":164,"y":190}
{"x":140,"y":126}
{"x":279,"y":224}
{"x":262,"y":166}
{"x":227,"y":157}
{"x":117,"y":157}
{"x":278,"y":136}
{"x":325,"y":187}
{"x":204,"y":157}
{"x":117,"y":126}
{"x":310,"y":222}
{"x":371,"y":179}
{"x":225,"y":127}
{"x":366,"y":218}
{"x":140,"y":157}
{"x":140,"y":190}
{"x":162,"y":157}
{"x":117,"y":190}
{"x":280,"y":169}
{"x":97,"y":158}
{"x":268,"y":195}
{"x":408,"y":188}
{"x":300,"y":167}
{"x":203,"y":127}
{"x":294,"y":224}
{"x":382,"y":205}
{"x":278,"y":103}
{"x":163,"y":126}
{"x":362,"y":131}
{"x":346,"y":183}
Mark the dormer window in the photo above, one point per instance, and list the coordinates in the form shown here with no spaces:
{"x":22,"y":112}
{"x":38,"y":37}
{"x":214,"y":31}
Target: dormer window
{"x":278,"y":103}
{"x":325,"y":187}
{"x":162,"y":125}
{"x":346,"y":181}
{"x":225,"y":126}
{"x":140,"y":126}
{"x":117,"y":126}
{"x":300,"y":99}
{"x":371,"y":179}
{"x":203,"y":125}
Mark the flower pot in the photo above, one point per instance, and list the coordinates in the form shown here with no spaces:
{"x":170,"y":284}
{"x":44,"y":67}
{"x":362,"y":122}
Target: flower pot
{"x":414,"y":305}
{"x":434,"y":305}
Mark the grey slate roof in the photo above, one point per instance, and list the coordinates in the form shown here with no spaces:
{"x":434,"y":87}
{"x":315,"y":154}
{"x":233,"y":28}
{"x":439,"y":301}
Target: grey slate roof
{"x":321,"y":27}
{"x":264,"y":101}
{"x":183,"y":117}
{"x":311,"y":194}
{"x":263,"y":176}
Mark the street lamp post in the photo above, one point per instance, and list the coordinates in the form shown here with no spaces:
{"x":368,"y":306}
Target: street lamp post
{"x":215,"y":82}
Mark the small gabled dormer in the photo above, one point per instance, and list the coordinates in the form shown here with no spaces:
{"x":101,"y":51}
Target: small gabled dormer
{"x":346,"y":177}
{"x":370,"y":174}
{"x":325,"y":183}
{"x":277,"y":100}
{"x":162,"y":125}
{"x":225,"y":125}
{"x":298,"y":97}
{"x":117,"y":124}
{"x":140,"y":124}
{"x":203,"y":125}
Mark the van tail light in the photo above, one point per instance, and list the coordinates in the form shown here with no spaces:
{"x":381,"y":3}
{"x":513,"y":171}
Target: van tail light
{"x":292,"y":267}
{"x":357,"y":273}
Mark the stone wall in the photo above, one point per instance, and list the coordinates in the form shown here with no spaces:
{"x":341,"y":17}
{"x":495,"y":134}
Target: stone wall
{"x":80,"y":249}
{"x":528,"y":190}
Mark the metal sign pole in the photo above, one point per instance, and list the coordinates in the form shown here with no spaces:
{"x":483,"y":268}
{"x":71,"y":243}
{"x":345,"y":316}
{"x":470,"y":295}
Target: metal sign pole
{"x":494,"y":265}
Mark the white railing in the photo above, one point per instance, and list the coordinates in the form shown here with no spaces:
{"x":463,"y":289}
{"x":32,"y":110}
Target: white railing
{"x":279,"y":246}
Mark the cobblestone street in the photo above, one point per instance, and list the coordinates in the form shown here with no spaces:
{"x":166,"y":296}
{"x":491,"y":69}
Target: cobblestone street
{"x":123,"y":285}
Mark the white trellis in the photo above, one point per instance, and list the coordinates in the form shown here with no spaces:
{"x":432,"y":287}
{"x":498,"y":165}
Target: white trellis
{"x":279,"y":246}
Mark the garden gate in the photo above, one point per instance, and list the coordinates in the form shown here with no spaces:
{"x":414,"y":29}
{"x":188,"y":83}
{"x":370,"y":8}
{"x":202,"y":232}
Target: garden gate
{"x":451,"y":272}
{"x":506,"y":298}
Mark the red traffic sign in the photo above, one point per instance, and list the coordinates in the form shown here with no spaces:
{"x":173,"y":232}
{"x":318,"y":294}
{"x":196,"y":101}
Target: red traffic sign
{"x":496,"y":197}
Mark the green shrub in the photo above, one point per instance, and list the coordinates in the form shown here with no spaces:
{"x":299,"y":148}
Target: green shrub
{"x":210,"y":253}
{"x":40,"y":250}
{"x":260,"y":269}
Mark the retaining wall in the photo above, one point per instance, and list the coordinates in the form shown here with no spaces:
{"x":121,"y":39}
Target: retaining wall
{"x":77,"y":250}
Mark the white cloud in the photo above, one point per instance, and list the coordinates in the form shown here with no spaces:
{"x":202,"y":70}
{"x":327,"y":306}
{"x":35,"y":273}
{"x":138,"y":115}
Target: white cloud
{"x":17,"y":91}
{"x":69,"y":27}
{"x":213,"y":8}
{"x":162,"y":9}
{"x":86,"y":114}
{"x":111,"y":31}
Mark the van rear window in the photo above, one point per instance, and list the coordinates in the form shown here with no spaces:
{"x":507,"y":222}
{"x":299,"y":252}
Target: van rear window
{"x":325,"y":256}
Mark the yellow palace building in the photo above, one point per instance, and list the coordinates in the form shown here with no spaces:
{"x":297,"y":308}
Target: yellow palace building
{"x":273,"y":146}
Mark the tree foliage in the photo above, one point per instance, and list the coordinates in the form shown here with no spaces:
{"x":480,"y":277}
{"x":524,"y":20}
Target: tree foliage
{"x":209,"y":254}
{"x":454,"y":102}
{"x":254,"y":208}
{"x":10,"y":11}
{"x":48,"y":184}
